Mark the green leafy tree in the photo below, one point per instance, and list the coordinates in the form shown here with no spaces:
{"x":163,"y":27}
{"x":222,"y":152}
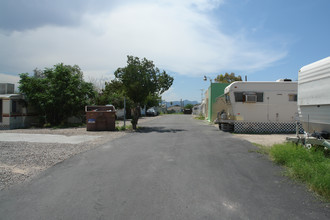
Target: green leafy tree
{"x":57,"y":93}
{"x":113,"y":93}
{"x":189,"y":106}
{"x":152,"y":100}
{"x":140,"y":80}
{"x":227,"y":78}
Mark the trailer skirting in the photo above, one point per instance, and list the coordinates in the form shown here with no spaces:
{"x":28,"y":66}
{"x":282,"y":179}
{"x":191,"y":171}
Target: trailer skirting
{"x":4,"y":127}
{"x":266,"y":127}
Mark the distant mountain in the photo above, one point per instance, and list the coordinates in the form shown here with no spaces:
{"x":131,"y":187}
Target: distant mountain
{"x":185,"y":102}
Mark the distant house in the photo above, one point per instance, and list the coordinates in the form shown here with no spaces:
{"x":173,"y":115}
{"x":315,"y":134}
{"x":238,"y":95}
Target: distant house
{"x":197,"y":109}
{"x":174,"y":109}
{"x":13,"y":109}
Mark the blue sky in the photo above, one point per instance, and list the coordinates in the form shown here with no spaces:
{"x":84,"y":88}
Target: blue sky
{"x":263,"y":39}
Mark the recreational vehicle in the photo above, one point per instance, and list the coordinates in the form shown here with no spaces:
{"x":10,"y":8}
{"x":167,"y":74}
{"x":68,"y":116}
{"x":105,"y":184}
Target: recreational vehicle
{"x":259,"y":107}
{"x":314,"y":97}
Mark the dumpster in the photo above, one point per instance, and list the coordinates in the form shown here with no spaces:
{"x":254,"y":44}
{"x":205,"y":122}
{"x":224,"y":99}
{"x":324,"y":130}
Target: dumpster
{"x":100,"y":118}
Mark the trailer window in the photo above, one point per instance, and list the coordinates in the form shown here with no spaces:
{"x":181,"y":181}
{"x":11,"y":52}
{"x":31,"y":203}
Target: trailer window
{"x":260,"y":96}
{"x":292,"y":97}
{"x":239,"y":97}
{"x":249,"y":96}
{"x":16,"y":106}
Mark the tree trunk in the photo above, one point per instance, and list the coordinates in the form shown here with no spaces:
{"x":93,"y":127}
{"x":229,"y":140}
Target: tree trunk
{"x":135,"y":118}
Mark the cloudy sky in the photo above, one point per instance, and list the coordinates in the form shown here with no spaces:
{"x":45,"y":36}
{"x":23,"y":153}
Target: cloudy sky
{"x":263,"y":39}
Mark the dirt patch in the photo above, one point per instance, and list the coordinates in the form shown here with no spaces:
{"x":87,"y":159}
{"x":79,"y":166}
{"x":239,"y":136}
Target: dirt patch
{"x":265,"y":139}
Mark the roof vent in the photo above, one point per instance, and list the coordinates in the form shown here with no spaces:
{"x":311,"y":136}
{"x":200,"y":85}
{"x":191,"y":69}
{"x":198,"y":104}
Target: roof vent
{"x":284,"y":80}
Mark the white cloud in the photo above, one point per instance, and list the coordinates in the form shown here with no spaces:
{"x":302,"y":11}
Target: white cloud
{"x":171,"y":95}
{"x":178,"y":36}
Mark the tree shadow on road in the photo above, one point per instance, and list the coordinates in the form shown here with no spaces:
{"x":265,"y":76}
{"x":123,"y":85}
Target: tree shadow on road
{"x":158,"y":129}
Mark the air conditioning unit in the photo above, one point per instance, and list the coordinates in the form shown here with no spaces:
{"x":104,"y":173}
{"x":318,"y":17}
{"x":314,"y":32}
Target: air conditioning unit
{"x":251,"y":98}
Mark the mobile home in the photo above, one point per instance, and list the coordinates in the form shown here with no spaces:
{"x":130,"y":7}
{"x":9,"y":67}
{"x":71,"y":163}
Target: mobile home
{"x":314,"y":96}
{"x":259,"y":107}
{"x":13,"y":109}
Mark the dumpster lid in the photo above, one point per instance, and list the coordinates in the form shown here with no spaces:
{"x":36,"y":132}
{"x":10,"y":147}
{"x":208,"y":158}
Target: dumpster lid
{"x":100,"y":108}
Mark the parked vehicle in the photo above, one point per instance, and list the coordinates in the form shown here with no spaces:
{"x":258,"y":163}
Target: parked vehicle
{"x":152,"y":112}
{"x":187,"y":111}
{"x":314,"y":97}
{"x":258,"y":107}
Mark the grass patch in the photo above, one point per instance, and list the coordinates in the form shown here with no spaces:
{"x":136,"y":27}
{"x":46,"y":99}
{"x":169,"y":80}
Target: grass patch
{"x":261,"y":149}
{"x":310,"y":166}
{"x":200,"y":117}
{"x":124,"y":128}
{"x":64,"y":125}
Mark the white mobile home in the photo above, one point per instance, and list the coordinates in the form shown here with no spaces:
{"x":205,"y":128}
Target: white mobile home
{"x":314,"y":96}
{"x":13,"y":110}
{"x":259,"y":107}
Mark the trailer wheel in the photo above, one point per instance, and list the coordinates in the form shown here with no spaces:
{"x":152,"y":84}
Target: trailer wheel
{"x":220,"y":127}
{"x":227,"y":127}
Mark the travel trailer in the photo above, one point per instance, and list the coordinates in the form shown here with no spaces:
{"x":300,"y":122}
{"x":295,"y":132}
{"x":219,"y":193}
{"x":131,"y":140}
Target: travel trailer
{"x":259,"y":107}
{"x":314,"y":97}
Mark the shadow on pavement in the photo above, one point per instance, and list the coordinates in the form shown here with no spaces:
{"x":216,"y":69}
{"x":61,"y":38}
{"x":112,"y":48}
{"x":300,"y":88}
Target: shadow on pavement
{"x":158,"y":129}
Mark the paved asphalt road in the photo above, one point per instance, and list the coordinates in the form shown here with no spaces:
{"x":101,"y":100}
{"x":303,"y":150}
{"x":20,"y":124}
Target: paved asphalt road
{"x":175,"y":168}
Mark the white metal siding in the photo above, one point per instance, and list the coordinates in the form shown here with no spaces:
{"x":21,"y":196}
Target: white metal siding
{"x":314,"y":83}
{"x":315,"y":118}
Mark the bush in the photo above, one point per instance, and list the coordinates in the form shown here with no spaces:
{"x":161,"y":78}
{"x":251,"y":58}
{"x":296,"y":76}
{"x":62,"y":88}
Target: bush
{"x":57,"y":93}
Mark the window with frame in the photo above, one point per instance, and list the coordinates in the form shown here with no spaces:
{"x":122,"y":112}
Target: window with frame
{"x":260,"y":96}
{"x":249,"y":96}
{"x":293,"y":97}
{"x":239,"y":96}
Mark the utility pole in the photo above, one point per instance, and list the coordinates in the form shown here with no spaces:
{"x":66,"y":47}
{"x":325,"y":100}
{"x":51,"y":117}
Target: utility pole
{"x":124,"y":112}
{"x":202,"y":95}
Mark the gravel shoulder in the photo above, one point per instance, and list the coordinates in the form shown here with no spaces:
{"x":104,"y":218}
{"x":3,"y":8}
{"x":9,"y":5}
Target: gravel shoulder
{"x":21,"y":161}
{"x":265,"y":139}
